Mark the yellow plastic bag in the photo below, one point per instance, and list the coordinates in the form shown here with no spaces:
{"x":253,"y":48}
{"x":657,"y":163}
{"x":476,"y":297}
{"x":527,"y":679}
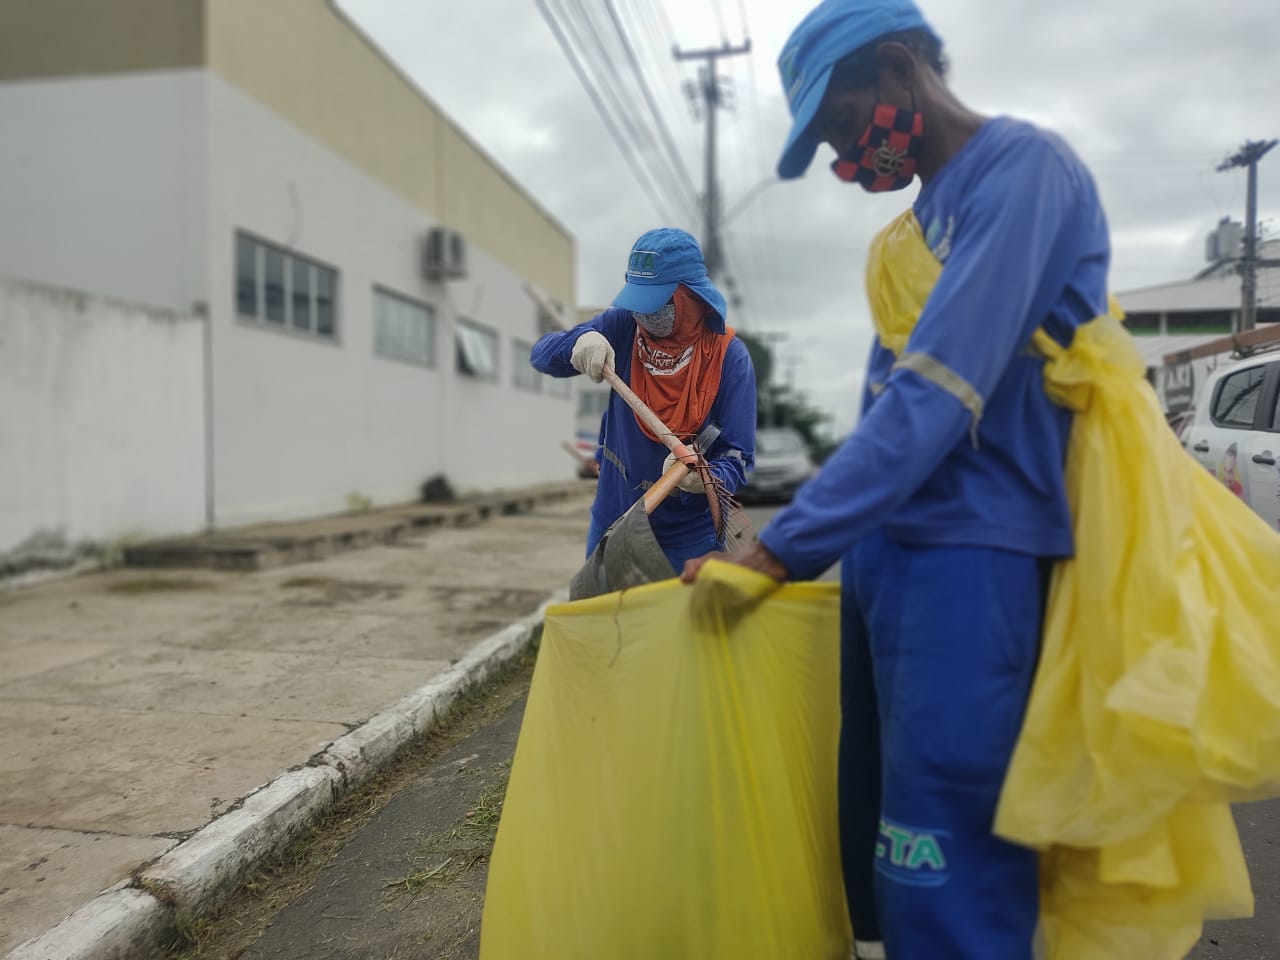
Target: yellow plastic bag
{"x":673,"y":790}
{"x":1157,"y":698}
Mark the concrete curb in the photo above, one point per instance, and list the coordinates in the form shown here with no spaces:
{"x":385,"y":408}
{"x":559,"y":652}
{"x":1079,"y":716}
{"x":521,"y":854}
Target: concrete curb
{"x":266,"y":546}
{"x":133,"y":918}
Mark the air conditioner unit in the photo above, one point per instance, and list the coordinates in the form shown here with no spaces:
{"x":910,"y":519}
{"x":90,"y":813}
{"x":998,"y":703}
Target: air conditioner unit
{"x":444,"y":254}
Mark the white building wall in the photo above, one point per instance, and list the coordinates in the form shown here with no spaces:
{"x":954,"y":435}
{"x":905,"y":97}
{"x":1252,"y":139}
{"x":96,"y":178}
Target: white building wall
{"x":133,"y":186}
{"x":102,"y":185}
{"x":101,"y":418}
{"x":301,"y":423}
{"x":501,"y":435}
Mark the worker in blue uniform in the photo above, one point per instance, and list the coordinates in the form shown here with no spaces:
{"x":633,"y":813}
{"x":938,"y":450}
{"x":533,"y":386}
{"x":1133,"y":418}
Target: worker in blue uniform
{"x":666,"y":337}
{"x":946,"y":504}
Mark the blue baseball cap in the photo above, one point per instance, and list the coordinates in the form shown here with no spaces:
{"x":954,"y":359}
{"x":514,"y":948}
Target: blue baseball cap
{"x":660,"y":261}
{"x":832,"y":30}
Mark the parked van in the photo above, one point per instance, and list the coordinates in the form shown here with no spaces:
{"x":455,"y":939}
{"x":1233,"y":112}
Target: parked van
{"x":1235,"y":433}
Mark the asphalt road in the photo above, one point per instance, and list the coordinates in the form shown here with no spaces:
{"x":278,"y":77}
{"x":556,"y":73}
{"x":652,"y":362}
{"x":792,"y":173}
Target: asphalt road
{"x":759,"y":515}
{"x":1257,"y":938}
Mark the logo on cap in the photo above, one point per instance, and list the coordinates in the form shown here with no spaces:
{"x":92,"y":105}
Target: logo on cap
{"x":643,"y":263}
{"x":791,"y":78}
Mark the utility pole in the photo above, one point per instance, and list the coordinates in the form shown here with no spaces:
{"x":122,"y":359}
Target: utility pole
{"x":709,"y":90}
{"x":1248,"y":156}
{"x":791,"y":360}
{"x":769,"y":338}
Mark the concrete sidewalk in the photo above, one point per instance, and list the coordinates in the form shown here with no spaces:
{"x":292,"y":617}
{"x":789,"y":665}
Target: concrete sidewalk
{"x":141,"y":705}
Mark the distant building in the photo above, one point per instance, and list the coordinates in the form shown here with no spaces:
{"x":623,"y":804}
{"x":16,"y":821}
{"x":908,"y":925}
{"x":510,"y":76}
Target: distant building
{"x":1180,"y":316}
{"x":250,"y":192}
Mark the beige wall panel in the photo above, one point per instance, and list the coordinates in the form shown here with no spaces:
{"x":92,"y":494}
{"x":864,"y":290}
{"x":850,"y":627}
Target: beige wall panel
{"x":307,"y":62}
{"x":479,"y":199}
{"x":54,"y":38}
{"x":302,"y":60}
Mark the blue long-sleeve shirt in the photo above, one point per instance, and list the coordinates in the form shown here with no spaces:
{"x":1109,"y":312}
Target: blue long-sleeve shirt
{"x":630,"y":461}
{"x":1015,"y":220}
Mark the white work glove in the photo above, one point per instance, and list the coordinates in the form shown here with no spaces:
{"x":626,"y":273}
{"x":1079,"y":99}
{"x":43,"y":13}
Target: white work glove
{"x":591,"y":354}
{"x":691,"y":482}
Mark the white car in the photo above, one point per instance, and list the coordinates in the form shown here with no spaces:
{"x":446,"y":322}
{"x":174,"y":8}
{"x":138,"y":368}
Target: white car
{"x":1236,"y":432}
{"x":782,"y":465}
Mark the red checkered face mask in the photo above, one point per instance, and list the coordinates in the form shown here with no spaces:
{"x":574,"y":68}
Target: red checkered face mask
{"x":886,"y":154}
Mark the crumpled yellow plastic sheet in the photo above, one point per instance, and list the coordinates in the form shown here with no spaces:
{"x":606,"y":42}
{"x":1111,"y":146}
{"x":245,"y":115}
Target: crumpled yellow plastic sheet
{"x":673,"y":792}
{"x":1157,"y":698}
{"x":1157,"y":701}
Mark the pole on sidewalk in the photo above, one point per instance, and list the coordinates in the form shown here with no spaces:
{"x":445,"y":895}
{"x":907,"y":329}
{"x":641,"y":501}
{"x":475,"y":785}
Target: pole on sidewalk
{"x":1248,"y":157}
{"x":710,"y":92}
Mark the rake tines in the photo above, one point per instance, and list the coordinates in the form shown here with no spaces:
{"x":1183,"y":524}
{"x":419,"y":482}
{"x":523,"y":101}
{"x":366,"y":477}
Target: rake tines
{"x":731,"y":521}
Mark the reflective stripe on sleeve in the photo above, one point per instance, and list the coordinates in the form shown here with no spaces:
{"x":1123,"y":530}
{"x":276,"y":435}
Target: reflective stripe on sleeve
{"x":943,"y":377}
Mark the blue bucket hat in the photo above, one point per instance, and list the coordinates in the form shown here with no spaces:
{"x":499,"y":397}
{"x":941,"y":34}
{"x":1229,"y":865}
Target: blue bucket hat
{"x":832,"y":30}
{"x":660,"y":261}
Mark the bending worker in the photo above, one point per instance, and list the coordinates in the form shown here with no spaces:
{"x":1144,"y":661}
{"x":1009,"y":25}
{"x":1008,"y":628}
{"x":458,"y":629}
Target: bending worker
{"x":946,"y":504}
{"x":666,"y":337}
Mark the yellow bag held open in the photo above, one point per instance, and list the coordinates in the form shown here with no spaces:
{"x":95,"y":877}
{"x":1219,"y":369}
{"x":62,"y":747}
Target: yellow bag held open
{"x":673,"y":791}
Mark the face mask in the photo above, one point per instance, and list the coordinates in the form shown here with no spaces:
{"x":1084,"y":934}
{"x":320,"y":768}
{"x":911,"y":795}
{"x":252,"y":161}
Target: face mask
{"x":659,"y":324}
{"x":886,"y":154}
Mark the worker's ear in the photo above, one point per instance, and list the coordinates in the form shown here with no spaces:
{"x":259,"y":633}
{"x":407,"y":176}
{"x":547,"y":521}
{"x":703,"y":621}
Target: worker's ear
{"x":897,"y":64}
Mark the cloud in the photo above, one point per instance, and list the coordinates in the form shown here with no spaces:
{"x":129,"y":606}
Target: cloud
{"x":1151,"y":94}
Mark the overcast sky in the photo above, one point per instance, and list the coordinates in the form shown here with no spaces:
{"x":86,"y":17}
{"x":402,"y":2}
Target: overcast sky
{"x":1152,"y":93}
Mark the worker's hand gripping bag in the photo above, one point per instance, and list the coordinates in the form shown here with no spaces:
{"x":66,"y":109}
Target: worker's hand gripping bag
{"x":1157,"y":698}
{"x":673,"y":790}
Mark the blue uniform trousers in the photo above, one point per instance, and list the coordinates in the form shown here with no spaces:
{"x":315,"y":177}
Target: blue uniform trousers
{"x":938,"y":649}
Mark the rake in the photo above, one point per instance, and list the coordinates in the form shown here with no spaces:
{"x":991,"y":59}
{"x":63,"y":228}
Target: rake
{"x":718,"y":498}
{"x":628,"y":554}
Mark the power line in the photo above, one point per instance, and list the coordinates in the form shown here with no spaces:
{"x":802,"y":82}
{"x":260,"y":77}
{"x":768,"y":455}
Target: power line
{"x":713,"y":98}
{"x":644,"y":15}
{"x":657,"y":48}
{"x":653,"y":12}
{"x":724,"y":33}
{"x":614,"y":133}
{"x":599,"y":57}
{"x":742,"y":15}
{"x":666,"y":24}
{"x":604,"y":77}
{"x":682,"y":173}
{"x":760,"y":212}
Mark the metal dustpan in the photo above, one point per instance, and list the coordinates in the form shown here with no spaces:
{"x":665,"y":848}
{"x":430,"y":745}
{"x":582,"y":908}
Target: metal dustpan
{"x":627,"y":555}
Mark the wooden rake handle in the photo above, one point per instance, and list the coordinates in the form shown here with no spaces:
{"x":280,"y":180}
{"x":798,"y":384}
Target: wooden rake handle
{"x":650,"y":420}
{"x":687,"y":459}
{"x":664,"y":486}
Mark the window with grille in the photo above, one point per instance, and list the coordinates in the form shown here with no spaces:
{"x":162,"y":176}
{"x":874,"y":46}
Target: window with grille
{"x":477,"y":349}
{"x":279,"y":288}
{"x":523,"y":374}
{"x":403,"y":328}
